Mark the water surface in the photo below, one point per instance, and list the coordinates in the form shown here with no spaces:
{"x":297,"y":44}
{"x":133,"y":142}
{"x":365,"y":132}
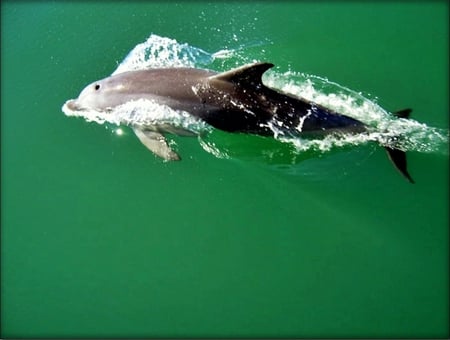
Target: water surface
{"x":102,"y":239}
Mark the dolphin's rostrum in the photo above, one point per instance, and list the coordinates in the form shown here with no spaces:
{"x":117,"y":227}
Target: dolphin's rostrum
{"x":233,"y":101}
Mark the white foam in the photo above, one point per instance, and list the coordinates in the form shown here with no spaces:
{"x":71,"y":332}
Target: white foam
{"x":142,"y":112}
{"x":384,"y":127}
{"x":161,"y":52}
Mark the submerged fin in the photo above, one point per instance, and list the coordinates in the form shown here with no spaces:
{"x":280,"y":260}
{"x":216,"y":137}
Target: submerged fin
{"x":247,"y":74}
{"x":398,"y":157}
{"x":156,"y":143}
{"x":175,"y":130}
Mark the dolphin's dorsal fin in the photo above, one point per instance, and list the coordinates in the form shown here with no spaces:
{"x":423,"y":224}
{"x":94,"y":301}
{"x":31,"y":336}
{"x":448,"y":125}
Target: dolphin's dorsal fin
{"x":156,"y":143}
{"x":247,"y":74}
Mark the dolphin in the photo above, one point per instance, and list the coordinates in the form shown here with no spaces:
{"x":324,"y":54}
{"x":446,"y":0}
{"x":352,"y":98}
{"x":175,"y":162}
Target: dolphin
{"x":234,"y":101}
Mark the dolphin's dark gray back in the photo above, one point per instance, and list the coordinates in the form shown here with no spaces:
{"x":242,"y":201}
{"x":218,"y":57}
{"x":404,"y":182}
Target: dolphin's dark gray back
{"x":240,"y":102}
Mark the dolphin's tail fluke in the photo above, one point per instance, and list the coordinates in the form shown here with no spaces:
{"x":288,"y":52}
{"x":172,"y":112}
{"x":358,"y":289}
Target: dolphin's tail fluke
{"x":398,"y":157}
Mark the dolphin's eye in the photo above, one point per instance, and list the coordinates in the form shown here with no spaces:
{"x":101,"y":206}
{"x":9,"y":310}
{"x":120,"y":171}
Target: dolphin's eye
{"x":97,"y":87}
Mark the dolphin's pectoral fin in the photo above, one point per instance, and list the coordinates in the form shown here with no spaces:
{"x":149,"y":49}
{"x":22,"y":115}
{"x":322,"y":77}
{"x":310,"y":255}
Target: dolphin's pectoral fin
{"x":175,"y":130}
{"x":156,"y":143}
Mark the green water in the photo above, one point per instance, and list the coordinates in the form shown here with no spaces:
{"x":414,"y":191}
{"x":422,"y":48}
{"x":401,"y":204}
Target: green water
{"x":101,"y":239}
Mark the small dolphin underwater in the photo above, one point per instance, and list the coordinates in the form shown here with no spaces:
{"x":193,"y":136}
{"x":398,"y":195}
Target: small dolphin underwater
{"x":235,"y":101}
